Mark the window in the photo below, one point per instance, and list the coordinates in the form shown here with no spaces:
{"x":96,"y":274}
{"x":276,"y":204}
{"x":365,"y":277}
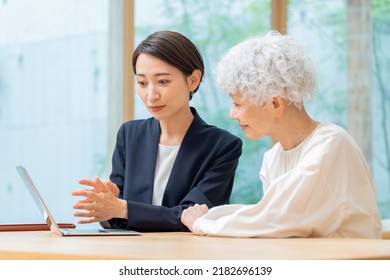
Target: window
{"x":53,"y":96}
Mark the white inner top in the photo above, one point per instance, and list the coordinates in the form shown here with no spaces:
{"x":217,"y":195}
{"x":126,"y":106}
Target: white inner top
{"x":165,"y":159}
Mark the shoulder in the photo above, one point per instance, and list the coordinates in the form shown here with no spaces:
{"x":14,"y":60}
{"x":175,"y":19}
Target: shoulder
{"x":326,"y":139}
{"x":139,"y":125}
{"x":332,"y":134}
{"x":136,"y":130}
{"x":332,"y":142}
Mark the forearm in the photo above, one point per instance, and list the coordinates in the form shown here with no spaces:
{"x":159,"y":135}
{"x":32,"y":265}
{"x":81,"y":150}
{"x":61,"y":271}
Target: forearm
{"x":146,"y":217}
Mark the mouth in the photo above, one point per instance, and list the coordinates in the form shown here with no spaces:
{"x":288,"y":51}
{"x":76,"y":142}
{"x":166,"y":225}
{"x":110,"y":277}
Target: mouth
{"x":155,"y":109}
{"x":243,"y":127}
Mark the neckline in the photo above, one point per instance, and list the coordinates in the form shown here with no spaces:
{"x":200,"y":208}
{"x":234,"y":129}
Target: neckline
{"x":318,"y":124}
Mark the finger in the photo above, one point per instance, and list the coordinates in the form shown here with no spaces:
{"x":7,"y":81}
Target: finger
{"x":102,"y":187}
{"x":204,"y":208}
{"x":86,"y":214}
{"x":200,"y":208}
{"x":87,"y":193}
{"x":79,"y":192}
{"x":90,"y":183}
{"x":88,"y":200}
{"x":87,"y":182}
{"x":84,"y":206}
{"x":196,"y":208}
{"x":111,"y":185}
{"x":88,"y":221}
{"x":113,"y":188}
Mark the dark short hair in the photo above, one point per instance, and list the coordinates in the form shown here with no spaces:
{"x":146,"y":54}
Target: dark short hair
{"x":172,"y":48}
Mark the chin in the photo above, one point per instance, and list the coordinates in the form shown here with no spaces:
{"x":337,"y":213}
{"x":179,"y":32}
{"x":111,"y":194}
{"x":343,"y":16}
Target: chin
{"x":156,"y":115}
{"x":252,"y":136}
{"x":249,"y":136}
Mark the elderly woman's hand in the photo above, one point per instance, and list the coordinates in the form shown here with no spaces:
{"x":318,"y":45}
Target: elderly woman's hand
{"x":191,"y":214}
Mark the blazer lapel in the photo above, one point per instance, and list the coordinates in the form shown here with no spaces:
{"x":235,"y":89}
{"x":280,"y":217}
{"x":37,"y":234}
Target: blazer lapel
{"x":147,"y":165}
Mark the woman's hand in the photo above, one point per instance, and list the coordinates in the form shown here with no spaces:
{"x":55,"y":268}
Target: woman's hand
{"x":191,"y":214}
{"x":101,"y":203}
{"x":97,"y":185}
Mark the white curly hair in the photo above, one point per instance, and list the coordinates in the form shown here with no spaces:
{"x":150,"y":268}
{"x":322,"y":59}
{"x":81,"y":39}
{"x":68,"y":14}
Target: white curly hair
{"x":264,"y":67}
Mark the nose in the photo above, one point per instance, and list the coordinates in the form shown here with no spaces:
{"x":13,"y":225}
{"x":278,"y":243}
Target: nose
{"x":233,"y":113}
{"x":152,"y":94}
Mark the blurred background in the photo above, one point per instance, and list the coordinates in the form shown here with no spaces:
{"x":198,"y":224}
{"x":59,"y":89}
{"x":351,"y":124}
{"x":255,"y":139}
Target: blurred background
{"x":66,"y":84}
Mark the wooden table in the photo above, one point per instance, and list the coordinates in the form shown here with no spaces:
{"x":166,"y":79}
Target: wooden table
{"x":184,"y":246}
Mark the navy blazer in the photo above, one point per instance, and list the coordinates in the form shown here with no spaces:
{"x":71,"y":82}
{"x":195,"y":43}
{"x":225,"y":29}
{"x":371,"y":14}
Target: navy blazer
{"x":203,"y":172}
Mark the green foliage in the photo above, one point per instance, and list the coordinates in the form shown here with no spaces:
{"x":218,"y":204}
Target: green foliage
{"x":380,"y":10}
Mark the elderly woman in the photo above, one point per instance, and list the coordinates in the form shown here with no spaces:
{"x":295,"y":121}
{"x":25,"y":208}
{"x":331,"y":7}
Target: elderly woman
{"x":316,"y":181}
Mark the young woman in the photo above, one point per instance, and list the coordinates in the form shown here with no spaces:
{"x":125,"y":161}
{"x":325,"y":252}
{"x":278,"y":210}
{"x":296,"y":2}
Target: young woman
{"x":170,"y":161}
{"x":316,"y":181}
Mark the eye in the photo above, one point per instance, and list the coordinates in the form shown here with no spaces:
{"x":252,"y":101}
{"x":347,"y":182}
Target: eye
{"x":141,"y":83}
{"x":163,"y":82}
